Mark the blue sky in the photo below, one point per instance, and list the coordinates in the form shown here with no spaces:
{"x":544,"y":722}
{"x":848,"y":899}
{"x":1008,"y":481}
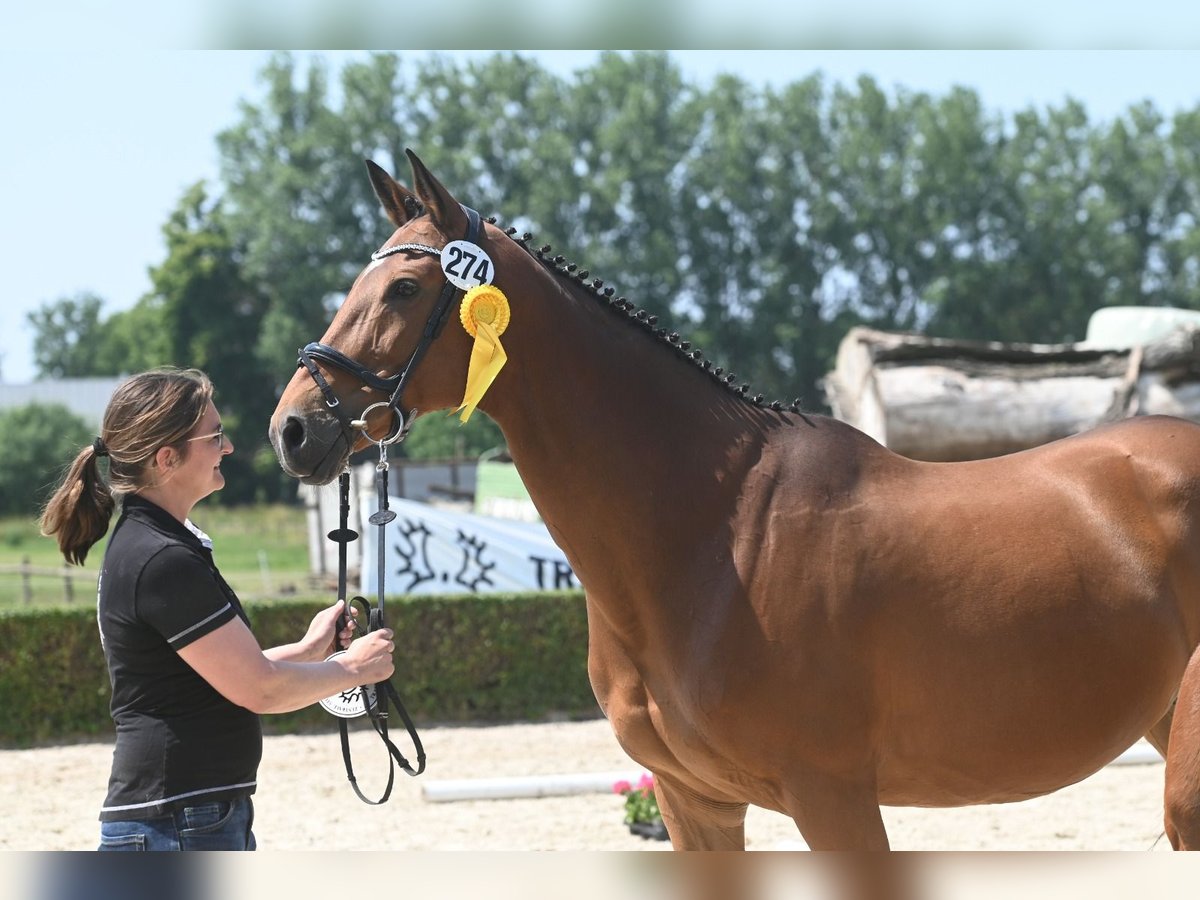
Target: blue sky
{"x":100,"y":144}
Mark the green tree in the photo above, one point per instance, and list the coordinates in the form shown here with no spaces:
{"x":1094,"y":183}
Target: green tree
{"x":41,"y":440}
{"x":211,"y":318}
{"x":135,"y":339}
{"x":68,"y":337}
{"x":632,"y":121}
{"x":753,"y":238}
{"x":1181,"y":244}
{"x":1051,"y":253}
{"x":1142,"y":172}
{"x":290,"y":205}
{"x":442,"y":436}
{"x":71,"y":340}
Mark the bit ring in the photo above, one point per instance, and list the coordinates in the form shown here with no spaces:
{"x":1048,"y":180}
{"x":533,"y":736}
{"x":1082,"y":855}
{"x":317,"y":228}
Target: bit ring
{"x":387,"y":440}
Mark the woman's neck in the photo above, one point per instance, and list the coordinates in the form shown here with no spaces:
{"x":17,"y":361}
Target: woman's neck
{"x":179,"y":507}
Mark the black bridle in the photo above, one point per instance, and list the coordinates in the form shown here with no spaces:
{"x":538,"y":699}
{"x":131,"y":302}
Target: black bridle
{"x":393,"y":386}
{"x":375,"y":698}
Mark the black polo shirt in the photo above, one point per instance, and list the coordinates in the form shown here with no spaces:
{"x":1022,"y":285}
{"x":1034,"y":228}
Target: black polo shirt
{"x":179,"y":742}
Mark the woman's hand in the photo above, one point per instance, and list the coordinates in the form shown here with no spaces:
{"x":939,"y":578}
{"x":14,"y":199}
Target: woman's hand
{"x":370,"y":657}
{"x":321,"y":641}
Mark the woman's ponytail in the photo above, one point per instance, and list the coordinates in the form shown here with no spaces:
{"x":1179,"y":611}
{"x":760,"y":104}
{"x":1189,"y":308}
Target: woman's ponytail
{"x":80,"y":510}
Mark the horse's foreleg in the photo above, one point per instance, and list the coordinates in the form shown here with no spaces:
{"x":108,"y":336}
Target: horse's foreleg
{"x":699,"y":823}
{"x":836,"y":813}
{"x":1181,"y":798}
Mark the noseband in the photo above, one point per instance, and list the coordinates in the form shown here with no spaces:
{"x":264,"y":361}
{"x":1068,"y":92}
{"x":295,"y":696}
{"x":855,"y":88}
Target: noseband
{"x":393,"y":385}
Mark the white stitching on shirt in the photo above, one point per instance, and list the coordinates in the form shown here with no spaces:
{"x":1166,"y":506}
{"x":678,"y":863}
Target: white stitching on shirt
{"x":228,"y":787}
{"x":203,"y":621}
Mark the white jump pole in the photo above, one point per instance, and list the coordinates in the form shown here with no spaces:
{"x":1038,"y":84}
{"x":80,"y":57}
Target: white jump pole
{"x":1139,"y":754}
{"x":524,"y":786}
{"x":532,"y":786}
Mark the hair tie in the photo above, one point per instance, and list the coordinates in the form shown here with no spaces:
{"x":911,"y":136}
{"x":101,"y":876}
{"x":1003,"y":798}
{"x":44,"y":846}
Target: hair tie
{"x":99,"y":447}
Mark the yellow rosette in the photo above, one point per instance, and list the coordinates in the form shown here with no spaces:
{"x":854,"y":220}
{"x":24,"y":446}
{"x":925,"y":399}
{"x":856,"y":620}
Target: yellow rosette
{"x":484,"y":313}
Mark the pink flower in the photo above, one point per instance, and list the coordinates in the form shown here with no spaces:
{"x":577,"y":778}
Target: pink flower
{"x":646,"y":782}
{"x":622,"y":787}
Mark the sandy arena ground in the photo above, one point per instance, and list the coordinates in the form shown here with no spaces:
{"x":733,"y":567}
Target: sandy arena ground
{"x":50,"y":797}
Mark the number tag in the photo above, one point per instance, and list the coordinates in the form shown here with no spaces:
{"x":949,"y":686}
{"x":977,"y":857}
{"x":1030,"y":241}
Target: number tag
{"x":466,"y":265}
{"x":349,"y":704}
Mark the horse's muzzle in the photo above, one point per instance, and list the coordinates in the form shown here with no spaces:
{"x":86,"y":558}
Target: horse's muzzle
{"x":312,"y":448}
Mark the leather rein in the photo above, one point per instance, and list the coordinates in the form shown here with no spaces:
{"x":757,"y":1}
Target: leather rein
{"x":374,"y":697}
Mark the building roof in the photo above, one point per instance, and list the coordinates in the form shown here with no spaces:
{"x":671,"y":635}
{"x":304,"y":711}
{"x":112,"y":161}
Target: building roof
{"x":86,"y":397}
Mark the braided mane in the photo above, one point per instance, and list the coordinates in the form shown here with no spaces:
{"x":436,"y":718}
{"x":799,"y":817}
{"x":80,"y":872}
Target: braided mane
{"x":559,"y":266}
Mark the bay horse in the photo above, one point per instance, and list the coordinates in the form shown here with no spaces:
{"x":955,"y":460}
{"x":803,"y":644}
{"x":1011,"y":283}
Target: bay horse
{"x":781,"y":611}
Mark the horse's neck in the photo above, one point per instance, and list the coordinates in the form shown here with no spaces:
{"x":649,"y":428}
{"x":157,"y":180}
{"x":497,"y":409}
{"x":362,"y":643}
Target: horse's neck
{"x":617,"y":435}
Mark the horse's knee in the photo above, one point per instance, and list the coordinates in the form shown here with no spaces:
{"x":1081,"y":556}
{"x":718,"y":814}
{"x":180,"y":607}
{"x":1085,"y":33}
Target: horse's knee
{"x":1181,"y":820}
{"x":1181,"y":794}
{"x":700,"y":823}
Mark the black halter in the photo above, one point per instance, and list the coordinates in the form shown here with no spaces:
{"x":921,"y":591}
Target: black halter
{"x":393,"y":385}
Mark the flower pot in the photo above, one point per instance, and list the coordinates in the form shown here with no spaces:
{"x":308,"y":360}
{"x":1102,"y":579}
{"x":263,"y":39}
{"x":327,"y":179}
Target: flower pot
{"x":655,"y":831}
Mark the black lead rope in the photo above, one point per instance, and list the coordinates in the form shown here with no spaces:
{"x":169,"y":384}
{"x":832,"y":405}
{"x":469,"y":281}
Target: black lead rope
{"x":374,"y":697}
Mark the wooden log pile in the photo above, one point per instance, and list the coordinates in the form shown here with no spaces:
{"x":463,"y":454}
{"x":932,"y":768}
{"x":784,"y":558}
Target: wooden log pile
{"x":942,"y":400}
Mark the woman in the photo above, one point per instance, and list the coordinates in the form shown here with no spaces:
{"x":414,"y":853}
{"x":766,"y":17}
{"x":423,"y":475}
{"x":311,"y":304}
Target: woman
{"x":189,"y":680}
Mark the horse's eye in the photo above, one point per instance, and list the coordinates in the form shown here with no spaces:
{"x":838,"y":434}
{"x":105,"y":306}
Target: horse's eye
{"x":404,"y":287}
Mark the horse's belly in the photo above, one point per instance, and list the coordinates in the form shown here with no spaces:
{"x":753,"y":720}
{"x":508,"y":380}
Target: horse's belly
{"x":1021,"y":736}
{"x":926,"y":784}
{"x":963,"y":772}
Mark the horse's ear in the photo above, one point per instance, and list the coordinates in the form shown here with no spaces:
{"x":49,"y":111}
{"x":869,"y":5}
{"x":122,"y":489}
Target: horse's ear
{"x":399,"y":202}
{"x":443,"y":208}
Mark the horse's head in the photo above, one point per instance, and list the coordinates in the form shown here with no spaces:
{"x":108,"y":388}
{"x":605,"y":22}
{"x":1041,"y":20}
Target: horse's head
{"x":375,"y":350}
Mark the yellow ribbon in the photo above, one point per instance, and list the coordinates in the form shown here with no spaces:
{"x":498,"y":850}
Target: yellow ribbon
{"x":484,"y":313}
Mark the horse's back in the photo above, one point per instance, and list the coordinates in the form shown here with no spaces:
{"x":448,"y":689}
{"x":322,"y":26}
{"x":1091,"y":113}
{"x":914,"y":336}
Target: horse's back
{"x":1148,"y":439}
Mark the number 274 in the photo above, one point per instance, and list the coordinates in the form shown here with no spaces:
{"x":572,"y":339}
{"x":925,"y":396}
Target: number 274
{"x":462,"y":262}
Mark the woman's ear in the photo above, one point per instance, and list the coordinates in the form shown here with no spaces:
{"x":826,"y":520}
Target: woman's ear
{"x":166,"y":458}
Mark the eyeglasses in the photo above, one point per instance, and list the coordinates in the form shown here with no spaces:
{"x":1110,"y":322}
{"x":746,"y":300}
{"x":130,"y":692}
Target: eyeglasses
{"x":219,"y":434}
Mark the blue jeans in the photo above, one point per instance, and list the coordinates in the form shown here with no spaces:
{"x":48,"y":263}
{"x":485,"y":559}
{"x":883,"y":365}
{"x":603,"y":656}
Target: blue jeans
{"x":212,"y":825}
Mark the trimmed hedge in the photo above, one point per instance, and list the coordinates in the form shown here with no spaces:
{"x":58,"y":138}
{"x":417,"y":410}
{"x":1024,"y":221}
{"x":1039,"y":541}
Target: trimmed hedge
{"x":485,"y":658}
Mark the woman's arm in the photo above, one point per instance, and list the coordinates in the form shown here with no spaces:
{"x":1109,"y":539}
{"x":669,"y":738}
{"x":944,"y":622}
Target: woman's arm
{"x":230,"y":659}
{"x":319,"y":642}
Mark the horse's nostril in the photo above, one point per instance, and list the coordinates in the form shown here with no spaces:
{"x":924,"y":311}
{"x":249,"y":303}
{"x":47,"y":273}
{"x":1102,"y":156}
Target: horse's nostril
{"x":292,"y":433}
